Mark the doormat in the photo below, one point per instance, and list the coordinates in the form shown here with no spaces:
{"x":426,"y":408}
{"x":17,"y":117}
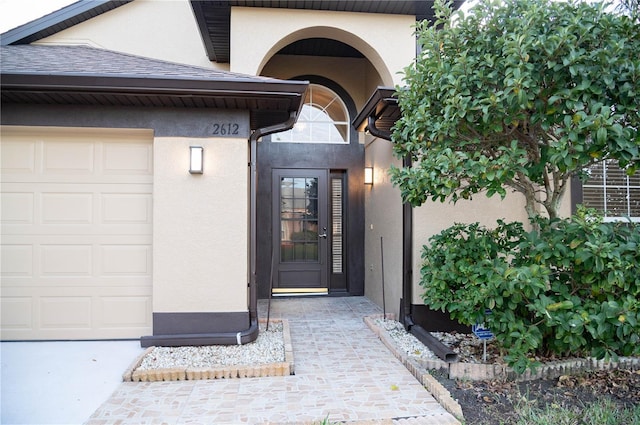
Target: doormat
{"x":271,"y":354}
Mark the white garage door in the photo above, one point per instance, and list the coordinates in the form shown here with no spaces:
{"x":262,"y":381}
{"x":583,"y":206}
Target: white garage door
{"x":76,"y":233}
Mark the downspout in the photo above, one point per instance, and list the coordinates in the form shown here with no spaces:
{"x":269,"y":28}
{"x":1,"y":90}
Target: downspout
{"x":250,"y":334}
{"x":406,"y":318}
{"x":375,"y":131}
{"x":253,"y":183}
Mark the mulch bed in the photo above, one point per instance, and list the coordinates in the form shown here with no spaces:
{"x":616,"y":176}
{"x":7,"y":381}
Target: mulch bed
{"x":496,"y":402}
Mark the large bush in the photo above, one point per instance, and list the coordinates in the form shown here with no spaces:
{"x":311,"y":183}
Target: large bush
{"x":572,"y":287}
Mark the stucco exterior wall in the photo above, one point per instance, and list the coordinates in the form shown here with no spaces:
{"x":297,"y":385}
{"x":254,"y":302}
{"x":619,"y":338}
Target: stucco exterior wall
{"x":165,"y":30}
{"x":359,"y":82}
{"x":433,"y":217}
{"x":200,"y":227}
{"x":257,"y":34}
{"x":383,"y":218}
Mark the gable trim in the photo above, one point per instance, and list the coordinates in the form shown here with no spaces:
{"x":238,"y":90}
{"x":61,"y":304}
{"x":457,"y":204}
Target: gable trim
{"x":59,"y":20}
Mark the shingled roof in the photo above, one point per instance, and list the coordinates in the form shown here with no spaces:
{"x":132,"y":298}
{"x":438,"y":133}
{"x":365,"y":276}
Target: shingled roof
{"x":86,"y":75}
{"x":214,"y":21}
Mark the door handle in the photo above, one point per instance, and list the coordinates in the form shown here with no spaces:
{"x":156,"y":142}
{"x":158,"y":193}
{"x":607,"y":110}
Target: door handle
{"x":323,"y":235}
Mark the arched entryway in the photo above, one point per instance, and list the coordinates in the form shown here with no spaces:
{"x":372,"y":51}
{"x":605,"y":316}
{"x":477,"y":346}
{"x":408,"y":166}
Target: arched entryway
{"x":310,"y":200}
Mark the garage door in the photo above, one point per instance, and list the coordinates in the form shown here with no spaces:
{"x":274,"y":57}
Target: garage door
{"x":76,"y":233}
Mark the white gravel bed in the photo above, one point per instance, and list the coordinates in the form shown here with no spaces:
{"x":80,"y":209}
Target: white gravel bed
{"x":267,"y":348}
{"x":404,"y":341}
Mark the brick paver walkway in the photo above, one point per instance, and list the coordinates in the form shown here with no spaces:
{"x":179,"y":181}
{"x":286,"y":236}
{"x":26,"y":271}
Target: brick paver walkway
{"x":342,"y":372}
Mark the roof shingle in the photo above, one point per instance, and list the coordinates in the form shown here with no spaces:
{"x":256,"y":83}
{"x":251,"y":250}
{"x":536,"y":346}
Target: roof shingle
{"x":84,"y":60}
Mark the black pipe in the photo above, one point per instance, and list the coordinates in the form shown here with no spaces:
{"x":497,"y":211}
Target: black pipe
{"x":253,"y":141}
{"x":216,"y":338}
{"x":406,"y":318}
{"x":375,"y":131}
{"x":434,"y":344}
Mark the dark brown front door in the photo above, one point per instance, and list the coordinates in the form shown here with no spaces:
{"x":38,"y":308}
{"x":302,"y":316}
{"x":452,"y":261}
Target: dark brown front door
{"x":301,"y":239}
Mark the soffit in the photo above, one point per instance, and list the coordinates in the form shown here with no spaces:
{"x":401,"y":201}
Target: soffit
{"x":214,"y":21}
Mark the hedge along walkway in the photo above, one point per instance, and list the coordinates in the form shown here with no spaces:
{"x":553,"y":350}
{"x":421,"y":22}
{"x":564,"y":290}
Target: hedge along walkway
{"x":343,"y":372}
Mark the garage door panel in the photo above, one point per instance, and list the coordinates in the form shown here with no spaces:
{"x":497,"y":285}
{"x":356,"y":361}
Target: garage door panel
{"x":116,"y":261}
{"x":71,"y":209}
{"x":84,"y":313}
{"x":115,"y":230}
{"x":43,"y":283}
{"x":97,"y":161}
{"x":126,"y":260}
{"x":16,"y":313}
{"x":60,"y":312}
{"x":76,"y":235}
{"x":66,"y":208}
{"x":16,"y":260}
{"x":60,"y":157}
{"x":127,"y":159}
{"x":123,"y":208}
{"x":18,"y":157}
{"x":123,"y":312}
{"x":17,"y":207}
{"x":66,"y":260}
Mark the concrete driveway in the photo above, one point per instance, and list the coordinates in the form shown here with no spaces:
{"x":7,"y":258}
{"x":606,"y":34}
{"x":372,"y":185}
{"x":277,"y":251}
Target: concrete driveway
{"x":60,"y":382}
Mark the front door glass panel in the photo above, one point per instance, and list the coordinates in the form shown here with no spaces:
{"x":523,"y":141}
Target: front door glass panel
{"x":299,"y":219}
{"x":300,"y":224}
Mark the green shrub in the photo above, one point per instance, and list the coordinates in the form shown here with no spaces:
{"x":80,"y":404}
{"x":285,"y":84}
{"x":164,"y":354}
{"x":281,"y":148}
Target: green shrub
{"x":570,"y":287}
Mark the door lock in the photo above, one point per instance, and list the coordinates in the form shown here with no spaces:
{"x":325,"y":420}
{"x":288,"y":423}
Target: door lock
{"x":324,"y":234}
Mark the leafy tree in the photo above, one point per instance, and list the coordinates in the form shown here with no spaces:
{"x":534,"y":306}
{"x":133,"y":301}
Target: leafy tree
{"x":518,"y":95}
{"x":630,"y":7}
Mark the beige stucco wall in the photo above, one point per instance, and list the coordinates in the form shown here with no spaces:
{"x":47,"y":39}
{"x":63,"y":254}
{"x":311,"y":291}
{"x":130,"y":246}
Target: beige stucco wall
{"x":200,"y":227}
{"x":383,"y":218}
{"x":257,"y":34}
{"x":164,"y":30}
{"x":433,"y":217}
{"x":383,"y":206}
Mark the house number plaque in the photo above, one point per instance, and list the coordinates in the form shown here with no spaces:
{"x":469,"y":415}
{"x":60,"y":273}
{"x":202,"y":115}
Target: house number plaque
{"x":226,"y":129}
{"x":229,"y":128}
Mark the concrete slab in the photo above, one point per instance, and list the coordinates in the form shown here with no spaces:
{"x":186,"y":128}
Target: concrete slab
{"x":60,"y":382}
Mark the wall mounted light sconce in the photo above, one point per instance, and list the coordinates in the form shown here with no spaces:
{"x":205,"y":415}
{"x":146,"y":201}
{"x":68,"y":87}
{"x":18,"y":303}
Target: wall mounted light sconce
{"x":368,"y":175}
{"x":195,"y":159}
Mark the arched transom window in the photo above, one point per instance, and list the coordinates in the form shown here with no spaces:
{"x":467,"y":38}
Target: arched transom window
{"x":323,"y":119}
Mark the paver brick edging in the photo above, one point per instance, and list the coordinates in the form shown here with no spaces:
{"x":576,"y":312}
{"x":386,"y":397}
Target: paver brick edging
{"x":484,"y":372}
{"x":549,"y":370}
{"x":287,"y":367}
{"x":419,"y":369}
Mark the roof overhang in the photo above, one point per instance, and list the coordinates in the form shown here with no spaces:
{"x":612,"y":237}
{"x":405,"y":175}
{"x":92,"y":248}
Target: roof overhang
{"x":269,"y":103}
{"x":59,"y":20}
{"x":379,"y":114}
